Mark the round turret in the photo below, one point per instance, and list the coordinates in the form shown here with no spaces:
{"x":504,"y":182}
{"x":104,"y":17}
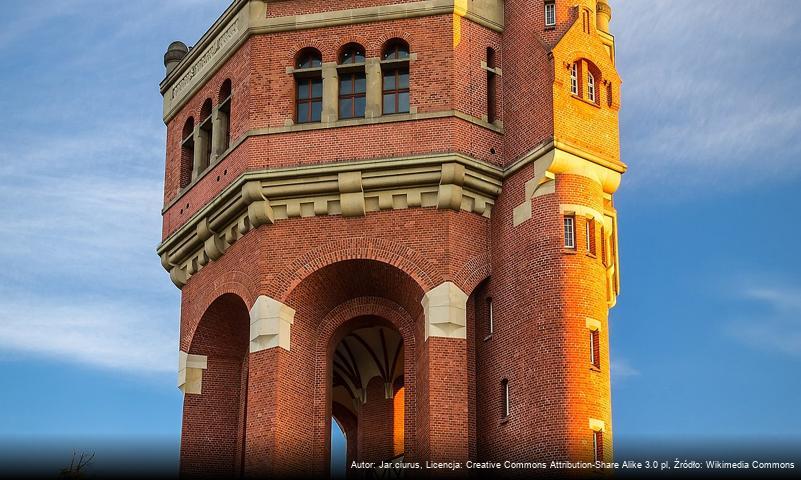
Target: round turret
{"x":175,"y":53}
{"x":603,"y":15}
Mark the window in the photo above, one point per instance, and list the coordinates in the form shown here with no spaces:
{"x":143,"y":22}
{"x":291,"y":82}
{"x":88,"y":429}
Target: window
{"x":206,"y":133}
{"x":590,"y":234}
{"x":574,"y":78}
{"x":550,"y":14}
{"x":309,"y":86}
{"x":395,"y":87}
{"x":187,"y":151}
{"x":224,"y":114}
{"x":598,"y":445}
{"x":352,"y":83}
{"x":570,"y":232}
{"x":491,"y":88}
{"x":504,"y":398}
{"x":595,"y":348}
{"x":490,"y":319}
{"x":590,"y":87}
{"x":585,"y":20}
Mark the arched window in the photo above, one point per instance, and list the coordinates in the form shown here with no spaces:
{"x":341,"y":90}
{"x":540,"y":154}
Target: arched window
{"x":308,"y":86}
{"x":205,"y":135}
{"x":590,"y":87}
{"x":395,"y":66}
{"x":224,"y":113}
{"x":187,"y":151}
{"x":352,"y":82}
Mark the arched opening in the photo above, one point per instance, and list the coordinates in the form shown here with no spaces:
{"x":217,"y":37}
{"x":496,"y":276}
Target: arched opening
{"x":206,"y":133}
{"x":367,"y":364}
{"x":214,"y":419}
{"x":352,"y":81}
{"x":395,"y":72}
{"x":364,"y":323}
{"x":187,"y":151}
{"x":224,"y":113}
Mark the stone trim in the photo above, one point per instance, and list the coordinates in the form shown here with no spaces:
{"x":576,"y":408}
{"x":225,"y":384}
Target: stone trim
{"x":249,"y":17}
{"x":262,"y":197}
{"x":581,"y":211}
{"x":597,"y":425}
{"x":445,"y":308}
{"x":557,"y":158}
{"x":270,"y":324}
{"x":593,"y":324}
{"x":190,"y":372}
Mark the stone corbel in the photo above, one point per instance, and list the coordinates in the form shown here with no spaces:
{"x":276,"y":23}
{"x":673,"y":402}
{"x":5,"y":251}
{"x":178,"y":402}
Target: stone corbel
{"x":259,"y":210}
{"x":351,"y":195}
{"x":270,"y":324}
{"x":213,"y":246}
{"x":177,"y":274}
{"x":445,"y":308}
{"x":449,"y":195}
{"x":190,"y":372}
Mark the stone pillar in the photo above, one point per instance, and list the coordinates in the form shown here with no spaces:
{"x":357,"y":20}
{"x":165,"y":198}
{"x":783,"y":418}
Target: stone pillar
{"x":219,"y":130}
{"x":274,"y":433}
{"x":443,"y":400}
{"x":374,"y":95}
{"x":200,"y":162}
{"x":330,"y":111}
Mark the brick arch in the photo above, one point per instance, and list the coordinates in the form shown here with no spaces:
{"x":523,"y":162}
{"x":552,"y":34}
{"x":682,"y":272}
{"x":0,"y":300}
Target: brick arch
{"x":232,"y":283}
{"x":354,"y":38}
{"x":331,"y":330}
{"x":399,"y":256}
{"x":473,"y":272}
{"x":602,"y":63}
{"x":381,"y":41}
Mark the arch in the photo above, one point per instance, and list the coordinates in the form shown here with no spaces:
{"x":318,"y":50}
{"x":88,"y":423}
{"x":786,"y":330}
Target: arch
{"x":395,"y":49}
{"x":231,"y":283}
{"x":397,"y":255}
{"x":225,"y":91}
{"x":352,"y":52}
{"x":345,"y":317}
{"x":187,"y":152}
{"x":473,"y":272}
{"x":308,"y":57}
{"x":214,"y":419}
{"x":224,"y":100}
{"x":205,"y":110}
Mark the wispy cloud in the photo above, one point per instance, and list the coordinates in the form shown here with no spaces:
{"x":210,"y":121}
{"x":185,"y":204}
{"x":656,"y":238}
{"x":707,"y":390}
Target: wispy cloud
{"x":776,"y":324}
{"x":119,"y":335}
{"x":702,"y":104}
{"x":621,"y":369}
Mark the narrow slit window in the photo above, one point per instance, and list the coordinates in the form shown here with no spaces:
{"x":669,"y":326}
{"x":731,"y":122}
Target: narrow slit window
{"x":598,"y":445}
{"x":505,"y":398}
{"x":550,"y":14}
{"x":490,"y":319}
{"x":570,"y":232}
{"x":574,"y":79}
{"x":491,"y":85}
{"x":595,"y":349}
{"x":590,"y":234}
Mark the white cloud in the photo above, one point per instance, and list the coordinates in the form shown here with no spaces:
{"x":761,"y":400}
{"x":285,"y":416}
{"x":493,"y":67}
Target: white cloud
{"x":622,"y":369}
{"x":703,"y":105}
{"x":108,"y":334}
{"x":777,"y":327}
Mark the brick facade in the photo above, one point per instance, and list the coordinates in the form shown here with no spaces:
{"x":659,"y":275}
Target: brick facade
{"x":268,"y":411}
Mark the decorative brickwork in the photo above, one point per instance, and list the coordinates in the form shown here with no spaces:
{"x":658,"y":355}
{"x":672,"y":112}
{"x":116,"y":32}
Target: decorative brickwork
{"x":343,"y":268}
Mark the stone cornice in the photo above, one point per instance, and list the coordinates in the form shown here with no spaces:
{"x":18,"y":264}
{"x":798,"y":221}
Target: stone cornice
{"x":250,"y":17}
{"x":446,"y":181}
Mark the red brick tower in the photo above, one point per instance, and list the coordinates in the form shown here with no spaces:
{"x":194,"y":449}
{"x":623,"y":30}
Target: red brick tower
{"x":397,"y":214}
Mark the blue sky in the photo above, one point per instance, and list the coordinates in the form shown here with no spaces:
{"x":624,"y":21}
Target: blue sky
{"x":706,"y":337}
